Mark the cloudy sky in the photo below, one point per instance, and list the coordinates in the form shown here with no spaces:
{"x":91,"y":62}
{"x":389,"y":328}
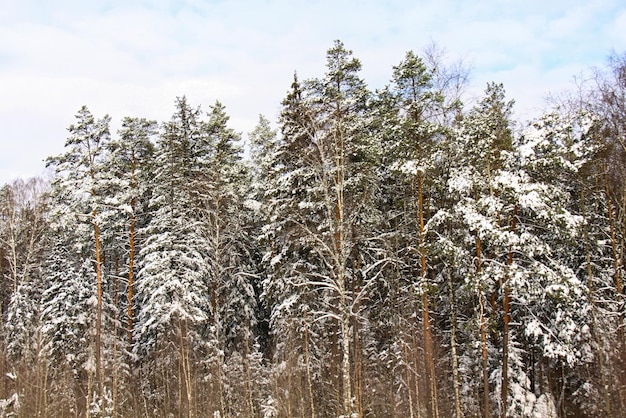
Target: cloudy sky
{"x":133,"y":57}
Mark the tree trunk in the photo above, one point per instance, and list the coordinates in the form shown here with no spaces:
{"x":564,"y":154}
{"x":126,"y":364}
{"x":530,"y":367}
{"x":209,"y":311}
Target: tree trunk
{"x":416,"y":376}
{"x":455,"y":359}
{"x":407,"y":361}
{"x":220,"y":359}
{"x":430,"y":364}
{"x":614,"y":248}
{"x":114,"y":382}
{"x":345,"y":363}
{"x":248,"y":371}
{"x":358,"y":370}
{"x":340,"y":266}
{"x":483,"y":335}
{"x":505,"y":336}
{"x":131,"y":254}
{"x":186,"y":388}
{"x":505,"y":355}
{"x":309,"y":381}
{"x":99,"y":382}
{"x":485,"y":358}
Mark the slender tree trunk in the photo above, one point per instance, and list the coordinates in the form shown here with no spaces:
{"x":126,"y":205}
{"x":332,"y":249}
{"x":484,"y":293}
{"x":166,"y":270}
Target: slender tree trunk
{"x":410,"y":368}
{"x":505,"y":336}
{"x":131,"y":254}
{"x":614,"y":247}
{"x":620,"y":299}
{"x":483,"y":335}
{"x":345,"y":363}
{"x":186,"y":389}
{"x":99,"y":381}
{"x":357,"y":356}
{"x":115,"y":367}
{"x":290,"y":367}
{"x":248,"y":372}
{"x":416,"y":377}
{"x":220,"y":359}
{"x":430,"y":364}
{"x":309,"y":380}
{"x":358,"y":370}
{"x":42,"y":396}
{"x":340,"y":260}
{"x":455,"y":358}
{"x":3,"y":360}
{"x":407,"y":361}
{"x":98,"y":343}
{"x":215,"y":297}
{"x":505,"y":355}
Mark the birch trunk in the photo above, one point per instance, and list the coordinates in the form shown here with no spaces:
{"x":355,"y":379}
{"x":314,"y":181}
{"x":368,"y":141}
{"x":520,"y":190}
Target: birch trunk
{"x":131,"y":254}
{"x":455,"y":358}
{"x":483,"y":335}
{"x":99,"y":382}
{"x":504,"y":395}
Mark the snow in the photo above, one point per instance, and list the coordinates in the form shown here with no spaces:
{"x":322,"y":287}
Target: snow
{"x":410,"y":167}
{"x":461,"y":182}
{"x":532,"y":201}
{"x":275,"y":260}
{"x":253,"y":205}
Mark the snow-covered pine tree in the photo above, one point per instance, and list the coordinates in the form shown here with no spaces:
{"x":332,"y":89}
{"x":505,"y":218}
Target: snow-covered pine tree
{"x":411,"y":134}
{"x":172,"y":298}
{"x":320,"y":205}
{"x":554,"y":152}
{"x":77,"y":205}
{"x":485,"y":137}
{"x":263,"y":146}
{"x":518,"y":225}
{"x":127,"y":163}
{"x":223,"y":183}
{"x":348,"y":158}
{"x":288,"y":258}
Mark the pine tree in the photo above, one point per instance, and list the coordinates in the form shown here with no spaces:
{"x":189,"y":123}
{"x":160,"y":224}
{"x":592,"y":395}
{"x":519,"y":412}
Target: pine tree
{"x":223,"y":185}
{"x":130,"y":159}
{"x":412,"y":135}
{"x":325,"y":164}
{"x":172,"y":293}
{"x":127,"y":162}
{"x":78,"y":178}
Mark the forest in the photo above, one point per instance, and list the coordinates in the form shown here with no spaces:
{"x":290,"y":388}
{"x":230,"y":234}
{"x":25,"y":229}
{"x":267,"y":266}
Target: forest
{"x":387,"y":253}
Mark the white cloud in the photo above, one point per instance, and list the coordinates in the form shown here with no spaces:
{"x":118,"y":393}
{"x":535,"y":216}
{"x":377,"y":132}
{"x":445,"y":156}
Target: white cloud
{"x":135,"y":57}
